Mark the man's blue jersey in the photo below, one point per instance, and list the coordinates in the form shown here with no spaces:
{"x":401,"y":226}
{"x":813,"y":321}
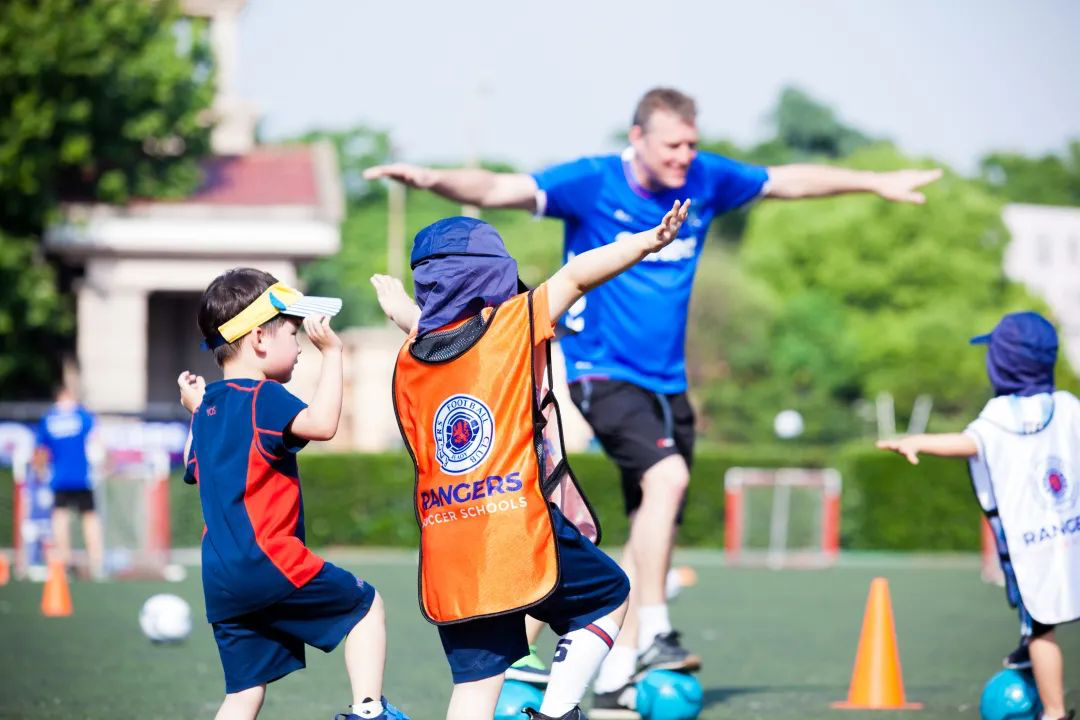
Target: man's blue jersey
{"x":633,"y":327}
{"x":63,"y":432}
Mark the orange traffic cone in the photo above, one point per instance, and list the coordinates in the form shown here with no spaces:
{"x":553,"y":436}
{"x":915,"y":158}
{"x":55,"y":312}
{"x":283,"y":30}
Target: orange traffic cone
{"x":5,"y":569}
{"x":877,"y":682}
{"x":56,"y":599}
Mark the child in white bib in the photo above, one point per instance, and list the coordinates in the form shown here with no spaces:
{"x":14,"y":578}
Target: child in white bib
{"x":1023,"y":452}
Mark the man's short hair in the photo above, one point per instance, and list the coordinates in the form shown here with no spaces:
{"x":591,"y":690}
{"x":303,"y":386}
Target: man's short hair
{"x":663,"y":98}
{"x":225,"y":297}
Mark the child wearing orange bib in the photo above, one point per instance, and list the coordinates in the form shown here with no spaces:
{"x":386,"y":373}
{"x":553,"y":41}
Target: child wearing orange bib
{"x":505,"y":529}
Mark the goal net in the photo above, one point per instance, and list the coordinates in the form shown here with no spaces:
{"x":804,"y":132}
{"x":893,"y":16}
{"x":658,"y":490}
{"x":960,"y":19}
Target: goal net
{"x":782,"y":517}
{"x":131,"y":495}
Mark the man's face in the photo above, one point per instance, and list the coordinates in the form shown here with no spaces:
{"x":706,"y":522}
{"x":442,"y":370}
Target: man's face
{"x":665,"y":146}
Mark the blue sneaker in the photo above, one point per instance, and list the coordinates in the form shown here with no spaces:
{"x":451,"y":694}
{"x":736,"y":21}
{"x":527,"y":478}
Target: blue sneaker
{"x":389,"y":713}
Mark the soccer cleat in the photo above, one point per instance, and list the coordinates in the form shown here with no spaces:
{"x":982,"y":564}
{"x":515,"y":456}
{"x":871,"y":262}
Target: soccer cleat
{"x":1018,"y":659}
{"x":529,"y":669}
{"x":666,"y":653}
{"x":615,"y":705}
{"x":574,"y":714}
{"x":389,"y":713}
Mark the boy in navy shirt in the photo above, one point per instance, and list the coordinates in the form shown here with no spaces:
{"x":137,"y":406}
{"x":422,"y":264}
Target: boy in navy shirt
{"x":267,"y":594}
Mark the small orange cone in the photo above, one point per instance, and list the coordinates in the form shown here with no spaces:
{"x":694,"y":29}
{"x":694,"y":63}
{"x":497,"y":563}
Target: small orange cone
{"x":5,"y":569}
{"x":56,"y":599}
{"x":877,"y":682}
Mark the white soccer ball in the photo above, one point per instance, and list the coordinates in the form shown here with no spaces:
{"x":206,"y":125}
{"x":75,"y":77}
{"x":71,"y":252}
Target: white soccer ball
{"x":165,"y":618}
{"x":788,"y":424}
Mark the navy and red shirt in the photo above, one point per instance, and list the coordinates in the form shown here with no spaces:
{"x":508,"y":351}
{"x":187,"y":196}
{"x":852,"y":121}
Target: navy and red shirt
{"x":244,"y":461}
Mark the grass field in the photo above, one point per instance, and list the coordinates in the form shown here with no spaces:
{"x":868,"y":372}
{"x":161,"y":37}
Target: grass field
{"x":775,"y":645}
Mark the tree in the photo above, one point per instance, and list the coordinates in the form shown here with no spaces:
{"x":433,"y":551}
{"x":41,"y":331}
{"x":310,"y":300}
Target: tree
{"x":99,"y":100}
{"x":811,"y":129}
{"x":1046,"y":180}
{"x":901,"y":288}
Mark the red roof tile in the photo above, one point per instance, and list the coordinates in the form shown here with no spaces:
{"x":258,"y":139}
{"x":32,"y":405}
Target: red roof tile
{"x":267,"y":175}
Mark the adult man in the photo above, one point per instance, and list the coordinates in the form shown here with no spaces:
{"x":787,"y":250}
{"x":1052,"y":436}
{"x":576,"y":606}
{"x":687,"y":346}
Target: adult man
{"x":62,"y":437}
{"x":625,"y":346}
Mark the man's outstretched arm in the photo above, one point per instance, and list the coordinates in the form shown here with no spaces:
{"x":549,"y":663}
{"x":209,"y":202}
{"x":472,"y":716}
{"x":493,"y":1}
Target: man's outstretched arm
{"x":484,"y":188}
{"x":806,"y":181}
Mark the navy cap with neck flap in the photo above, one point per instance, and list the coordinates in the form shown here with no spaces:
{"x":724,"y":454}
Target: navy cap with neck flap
{"x":460,"y":266}
{"x":1022,"y":352}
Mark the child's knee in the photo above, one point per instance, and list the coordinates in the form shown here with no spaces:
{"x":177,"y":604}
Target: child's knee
{"x":619,"y":613}
{"x":378,"y":608}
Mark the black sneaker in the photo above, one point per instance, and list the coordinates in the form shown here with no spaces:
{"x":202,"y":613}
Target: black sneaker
{"x":666,"y":653}
{"x":574,"y":714}
{"x":615,"y":705}
{"x":1018,"y":659}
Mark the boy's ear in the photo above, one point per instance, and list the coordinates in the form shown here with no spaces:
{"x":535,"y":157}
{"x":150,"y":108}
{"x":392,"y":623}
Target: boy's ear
{"x":257,"y":338}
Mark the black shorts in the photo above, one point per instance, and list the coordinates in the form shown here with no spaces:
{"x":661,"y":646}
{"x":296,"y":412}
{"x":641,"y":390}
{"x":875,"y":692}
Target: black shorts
{"x":81,"y":500}
{"x":637,"y":428}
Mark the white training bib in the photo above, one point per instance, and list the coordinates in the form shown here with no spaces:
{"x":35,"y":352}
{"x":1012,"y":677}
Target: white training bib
{"x":1028,"y":466}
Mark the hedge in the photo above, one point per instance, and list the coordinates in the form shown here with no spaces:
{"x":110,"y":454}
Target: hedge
{"x":887,"y":504}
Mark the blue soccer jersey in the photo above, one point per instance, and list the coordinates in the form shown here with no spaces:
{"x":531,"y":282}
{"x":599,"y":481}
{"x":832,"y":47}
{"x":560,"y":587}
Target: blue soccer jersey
{"x":243,"y":459}
{"x":63,"y":432}
{"x":633,"y":327}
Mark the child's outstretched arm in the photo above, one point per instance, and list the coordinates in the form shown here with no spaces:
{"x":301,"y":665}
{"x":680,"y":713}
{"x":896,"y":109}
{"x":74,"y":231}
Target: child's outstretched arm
{"x":319,"y":420}
{"x":597,"y":266}
{"x":940,"y":444}
{"x":396,"y":303}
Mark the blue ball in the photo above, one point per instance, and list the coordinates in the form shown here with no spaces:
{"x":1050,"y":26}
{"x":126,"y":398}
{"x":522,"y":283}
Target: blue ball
{"x":1010,"y":695}
{"x":516,"y":696}
{"x":669,"y":695}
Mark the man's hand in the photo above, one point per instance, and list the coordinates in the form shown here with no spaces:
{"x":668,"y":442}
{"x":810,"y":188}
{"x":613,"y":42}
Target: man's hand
{"x":902,"y":185}
{"x":668,"y":227}
{"x":395,"y":302}
{"x":411,"y":175}
{"x":322,"y":337}
{"x":908,"y":447}
{"x":192,"y":388}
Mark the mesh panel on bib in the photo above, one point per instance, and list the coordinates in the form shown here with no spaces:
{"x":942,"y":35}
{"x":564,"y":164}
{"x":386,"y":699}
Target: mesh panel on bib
{"x":449,"y":344}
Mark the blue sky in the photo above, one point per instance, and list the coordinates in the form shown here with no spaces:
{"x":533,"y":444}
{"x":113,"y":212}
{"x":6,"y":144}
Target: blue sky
{"x":533,"y":83}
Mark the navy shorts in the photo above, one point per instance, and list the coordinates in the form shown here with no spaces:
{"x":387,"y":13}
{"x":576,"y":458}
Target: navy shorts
{"x":636,"y":427}
{"x":268,"y":644}
{"x":591,"y":585}
{"x":81,"y":500}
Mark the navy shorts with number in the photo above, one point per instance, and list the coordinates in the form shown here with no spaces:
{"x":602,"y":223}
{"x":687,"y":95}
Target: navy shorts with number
{"x":636,"y":427}
{"x":591,"y":585}
{"x":268,"y":644}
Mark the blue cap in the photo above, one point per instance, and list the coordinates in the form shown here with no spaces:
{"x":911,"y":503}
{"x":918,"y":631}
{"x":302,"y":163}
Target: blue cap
{"x":457,"y":236}
{"x":1021,"y":355}
{"x":1026,"y":332}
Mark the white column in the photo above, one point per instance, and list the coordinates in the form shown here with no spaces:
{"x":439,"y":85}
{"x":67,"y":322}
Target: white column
{"x":112,"y":348}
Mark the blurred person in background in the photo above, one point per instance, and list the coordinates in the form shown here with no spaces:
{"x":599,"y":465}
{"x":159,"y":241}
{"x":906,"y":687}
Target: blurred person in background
{"x":63,"y":438}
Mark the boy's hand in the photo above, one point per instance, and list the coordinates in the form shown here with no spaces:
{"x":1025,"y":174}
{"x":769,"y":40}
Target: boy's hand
{"x":669,"y":226}
{"x":192,"y":388}
{"x":322,"y":337}
{"x":908,"y":447}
